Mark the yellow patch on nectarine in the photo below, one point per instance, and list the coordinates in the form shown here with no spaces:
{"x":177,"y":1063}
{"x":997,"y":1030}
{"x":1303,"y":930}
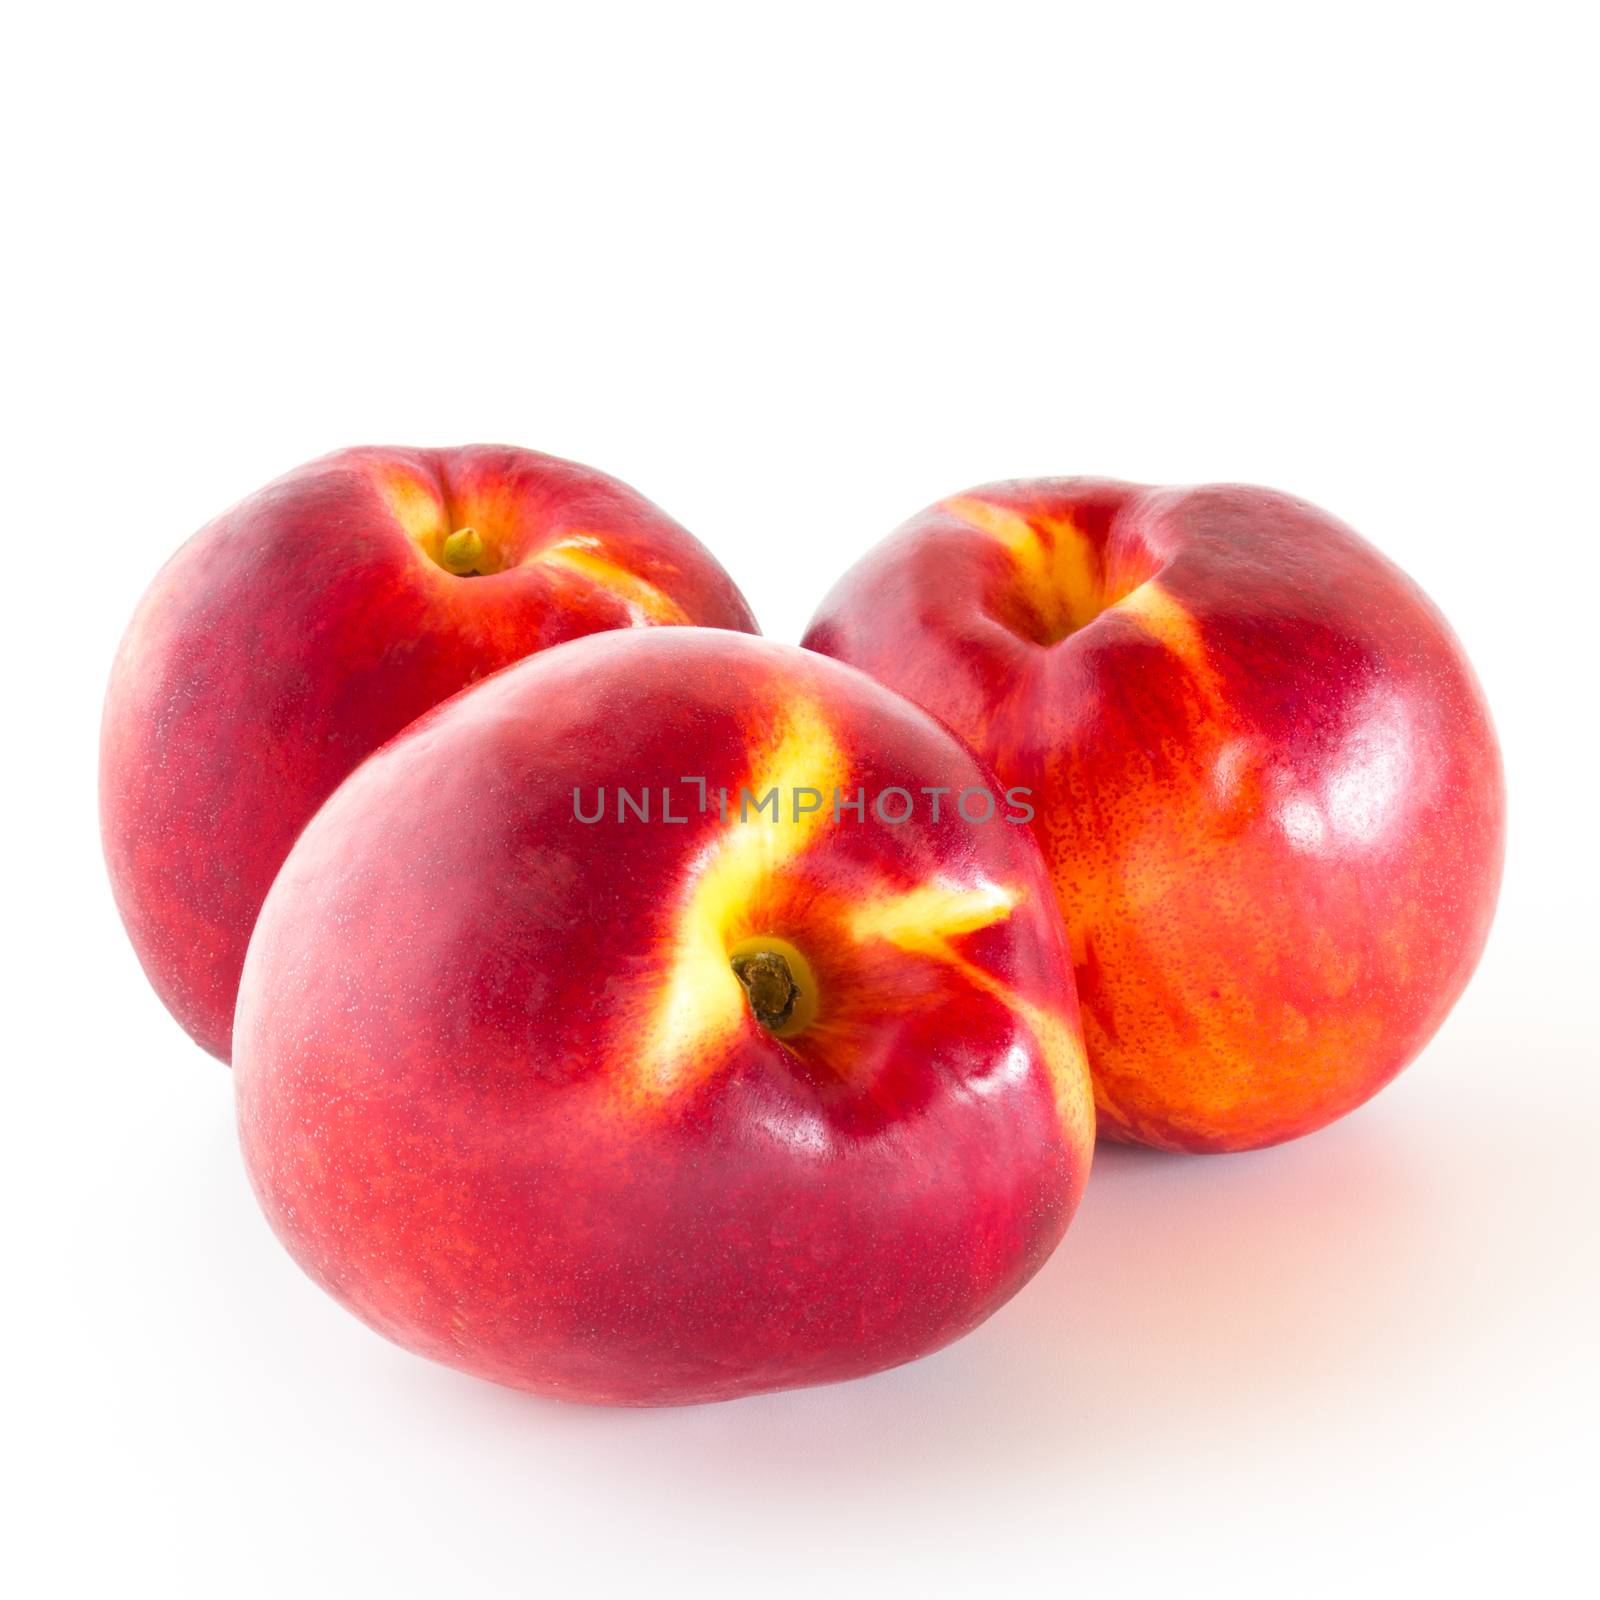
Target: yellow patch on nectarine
{"x":1055,"y":562}
{"x":583,"y":553}
{"x":925,"y":921}
{"x":702,"y":1002}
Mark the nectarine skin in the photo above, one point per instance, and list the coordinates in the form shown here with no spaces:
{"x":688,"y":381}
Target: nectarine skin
{"x":1265,"y":779}
{"x":501,"y":1090}
{"x":293,"y":635}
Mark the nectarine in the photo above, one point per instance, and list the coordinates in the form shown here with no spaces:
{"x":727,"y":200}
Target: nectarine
{"x":1264,"y":775}
{"x":601,"y":1037}
{"x":292,"y":636}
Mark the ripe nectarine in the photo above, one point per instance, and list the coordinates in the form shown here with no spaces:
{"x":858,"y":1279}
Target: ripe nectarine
{"x":293,"y":635}
{"x":674,"y":1099}
{"x":1265,"y":779}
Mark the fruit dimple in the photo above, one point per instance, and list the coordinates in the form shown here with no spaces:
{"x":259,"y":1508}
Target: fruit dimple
{"x":476,"y":533}
{"x":458,"y":539}
{"x":1058,"y":579}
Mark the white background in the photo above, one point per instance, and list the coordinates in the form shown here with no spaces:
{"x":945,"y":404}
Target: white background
{"x":795,"y":272}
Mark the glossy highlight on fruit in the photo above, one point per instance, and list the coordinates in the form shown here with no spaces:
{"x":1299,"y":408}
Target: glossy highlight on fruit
{"x":1265,"y":779}
{"x":293,"y":635}
{"x":671,"y":1107}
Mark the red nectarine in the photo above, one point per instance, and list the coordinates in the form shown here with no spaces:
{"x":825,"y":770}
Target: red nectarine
{"x":1264,"y":775}
{"x":635,"y":1101}
{"x":296,"y":633}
